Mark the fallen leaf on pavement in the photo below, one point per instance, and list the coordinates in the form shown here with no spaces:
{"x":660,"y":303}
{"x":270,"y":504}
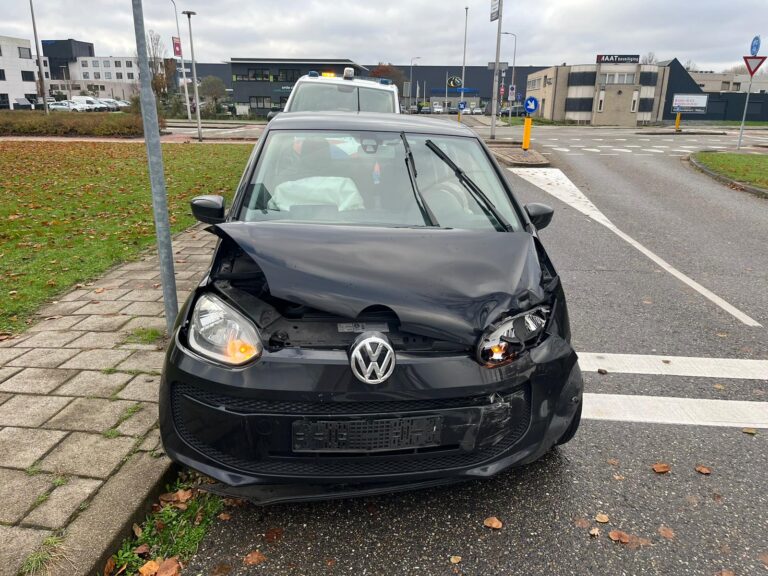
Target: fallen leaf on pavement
{"x":253,"y":558}
{"x":666,"y":532}
{"x":330,"y":562}
{"x":613,"y":461}
{"x":455,"y":559}
{"x":751,"y":431}
{"x":594,"y":532}
{"x":98,"y":290}
{"x":273,"y":535}
{"x":661,"y":468}
{"x":618,"y":477}
{"x":581,"y":523}
{"x":764,"y":558}
{"x":141,"y":550}
{"x":235,"y":502}
{"x":619,"y":536}
{"x":493,"y":522}
{"x":726,"y":573}
{"x":602,"y":518}
{"x":636,"y":541}
{"x":149,"y":569}
{"x":602,"y":371}
{"x":221,"y":570}
{"x":703,"y":470}
{"x":719,"y":387}
{"x":109,"y":566}
{"x":224,"y":516}
{"x":169,"y":567}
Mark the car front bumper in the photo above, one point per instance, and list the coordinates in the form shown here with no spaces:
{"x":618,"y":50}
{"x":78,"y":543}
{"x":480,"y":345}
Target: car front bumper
{"x":239,"y":425}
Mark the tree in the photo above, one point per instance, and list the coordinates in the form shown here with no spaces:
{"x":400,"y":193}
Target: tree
{"x":649,"y":58}
{"x":169,"y":73}
{"x":213,"y":87}
{"x":156,"y":54}
{"x":390,"y":73}
{"x":691,"y":66}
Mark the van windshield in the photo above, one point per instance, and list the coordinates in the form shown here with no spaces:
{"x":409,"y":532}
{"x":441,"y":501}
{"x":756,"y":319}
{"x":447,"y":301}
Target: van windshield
{"x":316,"y":97}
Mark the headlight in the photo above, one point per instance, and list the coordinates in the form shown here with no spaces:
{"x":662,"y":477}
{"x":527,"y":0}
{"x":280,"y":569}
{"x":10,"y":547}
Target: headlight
{"x":219,"y":332}
{"x":503,"y":342}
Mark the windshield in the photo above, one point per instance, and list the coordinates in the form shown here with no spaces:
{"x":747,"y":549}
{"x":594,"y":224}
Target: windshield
{"x":316,"y":97}
{"x":363,"y":178}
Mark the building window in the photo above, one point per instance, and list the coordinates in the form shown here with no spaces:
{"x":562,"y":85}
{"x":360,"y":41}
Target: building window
{"x":54,"y":86}
{"x":129,"y":75}
{"x":25,"y":52}
{"x":288,"y":75}
{"x":31,"y":97}
{"x":129,"y":63}
{"x":724,"y":87}
{"x":582,"y":79}
{"x":45,"y":63}
{"x":118,"y":64}
{"x":106,"y":64}
{"x":95,"y":63}
{"x":649,"y":78}
{"x":46,"y":74}
{"x":97,"y":75}
{"x":534,"y":84}
{"x":4,"y":102}
{"x":646,"y":105}
{"x":84,"y":64}
{"x":258,"y":74}
{"x":2,"y":74}
{"x":635,"y":98}
{"x":102,"y":87}
{"x":119,"y":75}
{"x":75,"y":87}
{"x":261,"y":102}
{"x":578,"y":104}
{"x":27,"y":76}
{"x":736,"y":86}
{"x":601,"y":101}
{"x":617,"y":78}
{"x":107,"y":75}
{"x":86,"y":75}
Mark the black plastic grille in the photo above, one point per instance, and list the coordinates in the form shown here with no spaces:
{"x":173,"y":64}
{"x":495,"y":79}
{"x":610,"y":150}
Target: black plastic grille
{"x":368,"y":465}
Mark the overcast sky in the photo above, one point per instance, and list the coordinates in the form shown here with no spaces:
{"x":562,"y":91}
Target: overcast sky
{"x":713,"y":33}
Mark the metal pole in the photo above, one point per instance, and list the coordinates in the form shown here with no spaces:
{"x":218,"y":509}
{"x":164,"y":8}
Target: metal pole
{"x":410,"y":83}
{"x":39,"y":58}
{"x":445,"y":104}
{"x":514,"y":57}
{"x":464,"y":58}
{"x":744,"y":116}
{"x":156,"y":177}
{"x":495,"y":96}
{"x":194,"y":76}
{"x":183,"y":71}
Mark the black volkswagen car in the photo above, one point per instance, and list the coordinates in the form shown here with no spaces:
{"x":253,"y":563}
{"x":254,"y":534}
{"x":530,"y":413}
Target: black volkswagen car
{"x":379,"y":315}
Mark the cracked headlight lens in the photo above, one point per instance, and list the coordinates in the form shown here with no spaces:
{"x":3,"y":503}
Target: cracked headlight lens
{"x":219,"y":332}
{"x":504,"y":341}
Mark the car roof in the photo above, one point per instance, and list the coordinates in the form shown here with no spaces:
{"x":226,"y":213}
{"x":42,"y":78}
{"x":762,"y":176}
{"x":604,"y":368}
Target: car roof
{"x":364,"y":82}
{"x":370,"y":121}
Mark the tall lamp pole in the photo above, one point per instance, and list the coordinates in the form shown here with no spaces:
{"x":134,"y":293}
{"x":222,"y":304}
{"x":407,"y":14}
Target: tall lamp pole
{"x":514,"y":56}
{"x":410,"y":83}
{"x":189,"y":15}
{"x":495,"y":95}
{"x":39,"y":57}
{"x":464,"y":59}
{"x":181,"y":55}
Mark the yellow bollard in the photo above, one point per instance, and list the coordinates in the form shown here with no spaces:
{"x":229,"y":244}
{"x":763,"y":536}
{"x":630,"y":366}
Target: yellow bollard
{"x":527,"y":132}
{"x":677,"y":122}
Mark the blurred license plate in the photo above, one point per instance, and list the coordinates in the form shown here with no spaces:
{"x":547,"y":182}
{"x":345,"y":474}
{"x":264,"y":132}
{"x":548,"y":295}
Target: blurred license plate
{"x":371,"y":435}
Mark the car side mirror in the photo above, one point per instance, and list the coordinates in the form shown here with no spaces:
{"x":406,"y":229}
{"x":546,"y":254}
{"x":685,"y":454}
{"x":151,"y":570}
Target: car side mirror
{"x":540,"y":214}
{"x":271,"y":114}
{"x":208,"y":209}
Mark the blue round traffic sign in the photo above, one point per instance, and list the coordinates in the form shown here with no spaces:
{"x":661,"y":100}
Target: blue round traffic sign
{"x":462,"y":105}
{"x":755,"y":48}
{"x":531,"y":104}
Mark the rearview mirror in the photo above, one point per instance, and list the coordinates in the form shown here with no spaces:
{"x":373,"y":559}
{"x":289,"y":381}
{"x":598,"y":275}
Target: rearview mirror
{"x":271,"y":114}
{"x":540,"y":214}
{"x":208,"y":209}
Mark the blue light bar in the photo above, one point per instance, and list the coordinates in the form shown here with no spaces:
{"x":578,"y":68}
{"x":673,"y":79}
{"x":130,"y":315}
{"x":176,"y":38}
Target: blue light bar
{"x":313,"y":74}
{"x":385,"y":81}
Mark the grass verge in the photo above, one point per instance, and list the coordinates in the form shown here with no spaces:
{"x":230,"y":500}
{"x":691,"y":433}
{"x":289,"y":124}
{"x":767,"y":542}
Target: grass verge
{"x":71,"y":210}
{"x":36,"y":123}
{"x":746,"y":168}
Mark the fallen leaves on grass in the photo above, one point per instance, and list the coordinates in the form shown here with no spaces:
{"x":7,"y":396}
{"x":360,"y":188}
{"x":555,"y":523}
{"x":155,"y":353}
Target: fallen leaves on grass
{"x":109,"y":566}
{"x":455,"y":559}
{"x":142,"y":550}
{"x":169,"y":567}
{"x":493,"y":522}
{"x":254,"y":558}
{"x":602,"y":518}
{"x":177,"y":499}
{"x":137,"y":531}
{"x":149,"y":569}
{"x":661,"y":468}
{"x":704,"y":470}
{"x":666,"y":532}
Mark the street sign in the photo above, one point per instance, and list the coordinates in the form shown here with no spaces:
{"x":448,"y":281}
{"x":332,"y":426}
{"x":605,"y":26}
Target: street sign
{"x":501,"y":91}
{"x":454,"y":82}
{"x":531,"y":105}
{"x":502,"y":65}
{"x":494,"y":10}
{"x":511,"y":94}
{"x":462,"y":105}
{"x":755,"y":47}
{"x":753,"y":63}
{"x":406,"y":89}
{"x":690,"y":103}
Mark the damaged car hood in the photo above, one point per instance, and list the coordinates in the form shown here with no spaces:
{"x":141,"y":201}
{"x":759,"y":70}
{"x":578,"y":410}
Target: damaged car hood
{"x":443,"y":283}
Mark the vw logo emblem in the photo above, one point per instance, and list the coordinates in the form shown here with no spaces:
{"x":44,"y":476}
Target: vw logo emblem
{"x":372,"y":358}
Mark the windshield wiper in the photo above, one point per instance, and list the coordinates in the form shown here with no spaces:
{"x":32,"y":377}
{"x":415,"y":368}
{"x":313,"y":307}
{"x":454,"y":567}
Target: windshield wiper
{"x":472,"y":188}
{"x":410,"y":165}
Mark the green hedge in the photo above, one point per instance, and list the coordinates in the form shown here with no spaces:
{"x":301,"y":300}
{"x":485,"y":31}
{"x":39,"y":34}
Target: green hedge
{"x":36,"y":123}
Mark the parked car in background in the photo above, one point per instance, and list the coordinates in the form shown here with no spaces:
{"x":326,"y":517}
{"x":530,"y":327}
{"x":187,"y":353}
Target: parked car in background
{"x":93,"y":104}
{"x":477,"y":111}
{"x":77,"y":106}
{"x":59,"y":107}
{"x":437,"y":108}
{"x":111,"y":103}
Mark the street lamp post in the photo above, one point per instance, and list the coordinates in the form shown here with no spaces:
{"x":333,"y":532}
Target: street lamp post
{"x":410,"y":83}
{"x":181,"y":55}
{"x":495,"y":95}
{"x":514,"y":55}
{"x":39,"y":58}
{"x":189,"y":15}
{"x":464,"y":59}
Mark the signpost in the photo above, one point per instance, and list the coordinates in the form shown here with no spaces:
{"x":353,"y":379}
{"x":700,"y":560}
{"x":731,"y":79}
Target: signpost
{"x":753,"y":63}
{"x":688,"y":104}
{"x":530,"y":106}
{"x":494,"y":10}
{"x":497,"y":12}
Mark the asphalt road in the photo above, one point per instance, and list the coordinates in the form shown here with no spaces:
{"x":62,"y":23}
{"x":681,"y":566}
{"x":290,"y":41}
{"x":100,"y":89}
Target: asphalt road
{"x":621,"y":301}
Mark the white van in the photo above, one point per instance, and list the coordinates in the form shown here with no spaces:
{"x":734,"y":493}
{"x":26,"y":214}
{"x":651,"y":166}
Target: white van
{"x":92,"y":104}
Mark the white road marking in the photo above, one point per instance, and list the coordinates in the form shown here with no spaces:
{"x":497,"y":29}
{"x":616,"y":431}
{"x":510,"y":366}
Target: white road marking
{"x":633,"y":146}
{"x":621,"y":139}
{"x":622,"y":150}
{"x":598,"y":139}
{"x":555,"y":182}
{"x":592,"y":149}
{"x":608,"y":154}
{"x":659,"y":146}
{"x":653,"y":150}
{"x":561,"y":149}
{"x":737,"y":368}
{"x":669,"y":410}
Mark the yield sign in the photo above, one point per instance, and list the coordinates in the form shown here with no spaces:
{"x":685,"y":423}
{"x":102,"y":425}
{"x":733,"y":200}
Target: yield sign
{"x":753,"y":63}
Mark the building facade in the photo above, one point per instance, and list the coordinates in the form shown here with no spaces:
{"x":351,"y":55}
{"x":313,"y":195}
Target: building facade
{"x":623,"y":93}
{"x":107,"y":76}
{"x":61,"y":53}
{"x":18,"y":73}
{"x":729,"y":82}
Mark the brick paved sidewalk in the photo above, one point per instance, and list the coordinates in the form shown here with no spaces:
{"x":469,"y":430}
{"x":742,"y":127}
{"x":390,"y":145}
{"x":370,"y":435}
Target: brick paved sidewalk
{"x":79,"y":445}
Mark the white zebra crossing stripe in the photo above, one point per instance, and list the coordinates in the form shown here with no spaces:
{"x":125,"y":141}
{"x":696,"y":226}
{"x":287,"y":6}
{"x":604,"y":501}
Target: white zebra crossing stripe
{"x":721,"y":368}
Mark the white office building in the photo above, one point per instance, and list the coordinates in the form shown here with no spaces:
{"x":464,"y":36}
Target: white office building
{"x":18,"y":73}
{"x":106,"y":76}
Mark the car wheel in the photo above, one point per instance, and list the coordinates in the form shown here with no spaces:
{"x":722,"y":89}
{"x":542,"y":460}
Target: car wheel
{"x":572,"y":427}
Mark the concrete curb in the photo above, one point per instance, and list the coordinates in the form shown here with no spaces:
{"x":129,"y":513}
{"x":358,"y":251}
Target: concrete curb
{"x":529,"y":159}
{"x":756,"y":190}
